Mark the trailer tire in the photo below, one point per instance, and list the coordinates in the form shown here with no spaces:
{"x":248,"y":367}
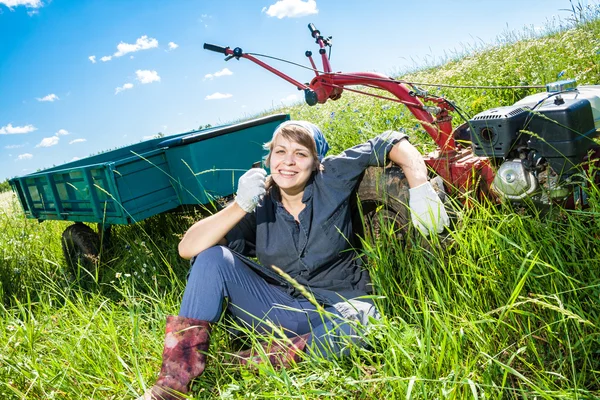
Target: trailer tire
{"x":81,"y":247}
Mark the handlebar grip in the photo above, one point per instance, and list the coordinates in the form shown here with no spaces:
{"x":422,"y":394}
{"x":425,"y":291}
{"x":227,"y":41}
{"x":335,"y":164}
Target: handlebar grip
{"x":313,"y":30}
{"x":215,"y":48}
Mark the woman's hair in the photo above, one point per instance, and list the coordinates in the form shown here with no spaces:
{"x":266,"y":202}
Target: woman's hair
{"x":297,"y":134}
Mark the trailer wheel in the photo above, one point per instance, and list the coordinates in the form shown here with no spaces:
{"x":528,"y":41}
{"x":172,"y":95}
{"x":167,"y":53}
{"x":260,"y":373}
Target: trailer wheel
{"x":81,"y":247}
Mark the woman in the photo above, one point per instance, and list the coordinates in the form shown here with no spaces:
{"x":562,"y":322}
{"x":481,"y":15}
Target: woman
{"x":297,"y":220}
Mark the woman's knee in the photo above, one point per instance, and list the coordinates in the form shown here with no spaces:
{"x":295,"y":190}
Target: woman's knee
{"x":212,"y":260}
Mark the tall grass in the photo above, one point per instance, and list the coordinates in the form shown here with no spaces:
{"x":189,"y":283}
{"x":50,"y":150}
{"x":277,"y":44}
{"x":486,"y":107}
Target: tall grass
{"x":507,"y":307}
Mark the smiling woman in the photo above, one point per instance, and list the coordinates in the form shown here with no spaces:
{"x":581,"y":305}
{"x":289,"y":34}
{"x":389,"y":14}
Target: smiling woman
{"x":298,"y":225}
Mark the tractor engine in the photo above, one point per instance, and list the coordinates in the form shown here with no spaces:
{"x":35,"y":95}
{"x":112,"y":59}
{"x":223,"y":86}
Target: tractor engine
{"x":539,"y":143}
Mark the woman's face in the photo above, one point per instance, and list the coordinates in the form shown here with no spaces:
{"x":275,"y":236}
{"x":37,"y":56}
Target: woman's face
{"x":291,"y":165}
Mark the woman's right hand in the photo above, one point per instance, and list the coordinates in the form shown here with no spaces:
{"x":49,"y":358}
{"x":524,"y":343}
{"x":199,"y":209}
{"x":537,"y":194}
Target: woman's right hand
{"x":251,"y":189}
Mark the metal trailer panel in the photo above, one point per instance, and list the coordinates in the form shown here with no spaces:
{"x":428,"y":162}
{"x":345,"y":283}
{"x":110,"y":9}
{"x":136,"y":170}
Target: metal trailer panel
{"x":126,"y":185}
{"x":209,"y":169}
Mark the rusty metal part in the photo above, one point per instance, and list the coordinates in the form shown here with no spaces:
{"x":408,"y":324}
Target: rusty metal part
{"x":464,"y":174}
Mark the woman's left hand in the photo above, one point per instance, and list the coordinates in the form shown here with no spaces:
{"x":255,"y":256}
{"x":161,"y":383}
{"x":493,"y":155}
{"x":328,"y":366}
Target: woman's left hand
{"x":427,"y":210}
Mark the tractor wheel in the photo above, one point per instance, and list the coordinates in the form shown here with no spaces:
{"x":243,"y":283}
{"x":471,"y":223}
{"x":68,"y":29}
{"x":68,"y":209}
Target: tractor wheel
{"x":81,"y":247}
{"x":383,"y":196}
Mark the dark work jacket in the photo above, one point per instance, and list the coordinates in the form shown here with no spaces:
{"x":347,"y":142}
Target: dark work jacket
{"x":316,"y":251}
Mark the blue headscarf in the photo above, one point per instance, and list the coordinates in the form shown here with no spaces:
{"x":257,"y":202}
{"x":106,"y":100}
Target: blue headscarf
{"x":315,"y":132}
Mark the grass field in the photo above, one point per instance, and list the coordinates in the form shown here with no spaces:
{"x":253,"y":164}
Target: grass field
{"x":511,"y":310}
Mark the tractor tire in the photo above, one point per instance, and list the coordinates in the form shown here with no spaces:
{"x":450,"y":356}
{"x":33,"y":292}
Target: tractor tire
{"x":383,"y":197}
{"x":81,"y":248}
{"x":383,"y":202}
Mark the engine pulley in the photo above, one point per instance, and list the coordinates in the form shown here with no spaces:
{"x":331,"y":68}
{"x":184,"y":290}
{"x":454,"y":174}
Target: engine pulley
{"x":513,"y":181}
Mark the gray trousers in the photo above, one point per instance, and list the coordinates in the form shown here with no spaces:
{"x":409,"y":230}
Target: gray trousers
{"x":218,"y":274}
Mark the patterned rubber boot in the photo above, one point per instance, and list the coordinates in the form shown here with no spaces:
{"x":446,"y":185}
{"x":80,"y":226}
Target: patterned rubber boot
{"x":281,"y":354}
{"x":183,"y":358}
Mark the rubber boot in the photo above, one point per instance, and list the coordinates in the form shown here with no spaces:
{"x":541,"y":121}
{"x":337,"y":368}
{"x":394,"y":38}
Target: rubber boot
{"x":183,"y":358}
{"x":280,"y":353}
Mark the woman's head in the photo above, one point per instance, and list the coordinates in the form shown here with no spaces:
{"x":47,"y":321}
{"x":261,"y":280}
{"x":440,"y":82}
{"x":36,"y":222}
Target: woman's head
{"x":295,"y":151}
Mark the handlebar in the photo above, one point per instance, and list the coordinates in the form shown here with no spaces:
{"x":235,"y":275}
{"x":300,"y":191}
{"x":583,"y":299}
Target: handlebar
{"x":313,"y":30}
{"x":329,"y":86}
{"x":215,"y":48}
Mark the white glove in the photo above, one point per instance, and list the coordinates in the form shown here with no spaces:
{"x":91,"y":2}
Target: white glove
{"x":251,"y":188}
{"x":427,"y":210}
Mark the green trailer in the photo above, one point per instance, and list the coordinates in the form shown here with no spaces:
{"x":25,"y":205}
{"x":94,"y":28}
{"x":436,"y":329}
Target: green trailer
{"x":127,"y":185}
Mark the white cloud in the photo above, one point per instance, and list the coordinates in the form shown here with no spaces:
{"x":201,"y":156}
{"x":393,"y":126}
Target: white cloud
{"x":223,"y":72}
{"x":124,"y":87}
{"x":48,"y":142}
{"x":15,"y":130}
{"x":27,"y":3}
{"x":77,"y":141}
{"x":290,"y":99}
{"x":75,"y":159}
{"x":142,"y":43}
{"x":62,"y":132}
{"x":173,"y":45}
{"x":218,"y":96}
{"x":51,"y":97}
{"x":25,"y":156}
{"x":92,"y":59}
{"x":292,"y":9}
{"x":204,"y":17}
{"x":146,"y":76}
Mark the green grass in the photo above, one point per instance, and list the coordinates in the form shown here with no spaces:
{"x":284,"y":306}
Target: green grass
{"x":510,"y":309}
{"x":4,"y":186}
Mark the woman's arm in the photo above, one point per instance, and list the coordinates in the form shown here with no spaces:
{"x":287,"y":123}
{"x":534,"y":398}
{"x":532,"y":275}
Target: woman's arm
{"x":210,"y":231}
{"x":410,"y":160}
{"x":426,"y":209}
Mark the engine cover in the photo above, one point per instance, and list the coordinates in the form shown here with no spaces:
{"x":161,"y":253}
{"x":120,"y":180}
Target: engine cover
{"x":513,"y":181}
{"x":564,"y":132}
{"x":494,"y":131}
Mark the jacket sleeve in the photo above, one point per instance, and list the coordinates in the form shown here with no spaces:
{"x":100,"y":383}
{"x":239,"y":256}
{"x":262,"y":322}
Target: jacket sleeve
{"x":347,"y":167}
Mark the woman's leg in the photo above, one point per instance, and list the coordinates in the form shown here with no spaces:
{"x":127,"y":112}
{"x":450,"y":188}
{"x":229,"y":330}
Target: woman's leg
{"x":343,"y":327}
{"x":218,"y":273}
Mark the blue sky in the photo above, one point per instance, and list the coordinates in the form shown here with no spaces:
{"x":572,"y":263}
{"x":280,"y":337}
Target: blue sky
{"x":82,"y":76}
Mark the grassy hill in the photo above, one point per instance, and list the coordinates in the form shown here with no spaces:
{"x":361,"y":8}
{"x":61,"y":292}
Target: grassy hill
{"x":510,"y":310}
